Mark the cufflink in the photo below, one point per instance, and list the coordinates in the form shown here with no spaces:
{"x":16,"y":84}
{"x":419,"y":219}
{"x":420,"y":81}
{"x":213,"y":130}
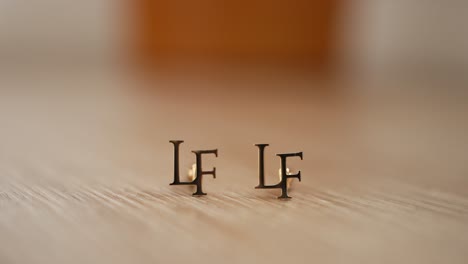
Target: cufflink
{"x":284,"y":173}
{"x":198,"y":173}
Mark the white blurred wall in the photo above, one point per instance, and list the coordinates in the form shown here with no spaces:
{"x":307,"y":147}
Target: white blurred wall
{"x":48,"y":31}
{"x":401,"y":36}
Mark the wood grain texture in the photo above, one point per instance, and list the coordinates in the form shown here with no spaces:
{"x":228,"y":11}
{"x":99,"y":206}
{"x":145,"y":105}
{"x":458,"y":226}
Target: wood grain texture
{"x":85,"y":173}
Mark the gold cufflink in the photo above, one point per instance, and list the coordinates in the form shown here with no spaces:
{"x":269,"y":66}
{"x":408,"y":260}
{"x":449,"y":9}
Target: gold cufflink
{"x":285,"y":175}
{"x":199,"y":173}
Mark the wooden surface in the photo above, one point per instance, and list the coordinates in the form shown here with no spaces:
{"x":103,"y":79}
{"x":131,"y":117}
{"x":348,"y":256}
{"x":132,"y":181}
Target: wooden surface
{"x":85,"y":167}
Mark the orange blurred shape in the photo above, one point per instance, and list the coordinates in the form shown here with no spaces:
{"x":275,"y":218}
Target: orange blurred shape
{"x":284,"y":31}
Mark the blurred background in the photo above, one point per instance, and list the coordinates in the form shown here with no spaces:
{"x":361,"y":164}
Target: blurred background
{"x":357,"y":36}
{"x":374,"y":92}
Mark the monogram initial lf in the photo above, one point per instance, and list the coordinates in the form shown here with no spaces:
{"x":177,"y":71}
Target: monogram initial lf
{"x":197,"y":181}
{"x":284,"y":176}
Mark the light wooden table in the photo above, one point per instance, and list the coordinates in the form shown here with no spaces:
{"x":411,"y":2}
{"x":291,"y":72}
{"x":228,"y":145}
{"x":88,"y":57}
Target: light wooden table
{"x":85,"y":167}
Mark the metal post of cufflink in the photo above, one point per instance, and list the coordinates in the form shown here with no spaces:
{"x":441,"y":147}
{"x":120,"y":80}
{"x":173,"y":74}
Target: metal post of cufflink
{"x":192,"y":172}
{"x":289,"y":181}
